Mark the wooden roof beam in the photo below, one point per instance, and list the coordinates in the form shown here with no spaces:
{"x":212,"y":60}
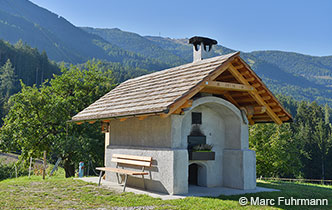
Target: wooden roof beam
{"x":255,"y":95}
{"x":230,"y":99}
{"x":227,"y":77}
{"x":198,"y":88}
{"x":239,"y":66}
{"x":228,"y":86}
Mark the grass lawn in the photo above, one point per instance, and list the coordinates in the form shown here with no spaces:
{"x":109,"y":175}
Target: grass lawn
{"x":60,"y":193}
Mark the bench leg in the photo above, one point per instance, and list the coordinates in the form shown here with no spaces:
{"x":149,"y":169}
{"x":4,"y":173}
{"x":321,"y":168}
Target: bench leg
{"x":125,"y":184}
{"x":143,"y":182}
{"x":118,"y":178}
{"x":100,"y":175}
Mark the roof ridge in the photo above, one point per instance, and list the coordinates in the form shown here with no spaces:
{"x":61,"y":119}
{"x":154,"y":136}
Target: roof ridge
{"x":186,"y":65}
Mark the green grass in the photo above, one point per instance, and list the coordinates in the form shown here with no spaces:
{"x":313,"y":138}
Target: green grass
{"x":60,"y":193}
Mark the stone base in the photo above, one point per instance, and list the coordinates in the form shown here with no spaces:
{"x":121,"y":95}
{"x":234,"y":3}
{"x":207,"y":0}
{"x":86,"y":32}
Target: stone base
{"x":239,"y":169}
{"x":166,"y":174}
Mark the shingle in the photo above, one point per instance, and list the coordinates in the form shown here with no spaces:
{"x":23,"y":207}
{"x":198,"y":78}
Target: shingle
{"x":151,"y":93}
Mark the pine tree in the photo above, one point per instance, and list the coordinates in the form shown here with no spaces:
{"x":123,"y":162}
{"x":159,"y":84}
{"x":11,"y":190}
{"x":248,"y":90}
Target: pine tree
{"x":7,"y":80}
{"x":7,"y":86}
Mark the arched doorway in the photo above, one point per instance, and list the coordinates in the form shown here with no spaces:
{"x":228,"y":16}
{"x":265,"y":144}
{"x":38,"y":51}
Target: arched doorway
{"x":197,"y":174}
{"x":225,"y":128}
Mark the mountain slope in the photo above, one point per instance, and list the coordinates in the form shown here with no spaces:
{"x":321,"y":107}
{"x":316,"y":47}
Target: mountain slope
{"x":135,"y":43}
{"x":40,"y":28}
{"x":29,"y":65}
{"x":314,"y":68}
{"x":300,"y":76}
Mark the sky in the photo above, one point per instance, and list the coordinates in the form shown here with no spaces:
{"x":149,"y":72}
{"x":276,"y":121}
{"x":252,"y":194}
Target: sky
{"x":289,"y":25}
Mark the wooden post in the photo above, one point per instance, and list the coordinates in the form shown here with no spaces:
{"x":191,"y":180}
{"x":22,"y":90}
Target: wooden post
{"x":44,"y":165}
{"x":30,"y":166}
{"x":15,"y":170}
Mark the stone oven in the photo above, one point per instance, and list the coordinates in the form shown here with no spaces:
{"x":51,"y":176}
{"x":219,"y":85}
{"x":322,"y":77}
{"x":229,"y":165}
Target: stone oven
{"x":165,"y":114}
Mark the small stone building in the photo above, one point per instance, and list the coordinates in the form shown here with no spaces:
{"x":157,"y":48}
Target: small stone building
{"x":160,"y":114}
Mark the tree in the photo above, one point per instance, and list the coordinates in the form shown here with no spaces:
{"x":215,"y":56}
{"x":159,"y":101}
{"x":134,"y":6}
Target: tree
{"x":277,"y":150}
{"x":7,"y":79}
{"x":38,"y":117}
{"x":7,"y":85}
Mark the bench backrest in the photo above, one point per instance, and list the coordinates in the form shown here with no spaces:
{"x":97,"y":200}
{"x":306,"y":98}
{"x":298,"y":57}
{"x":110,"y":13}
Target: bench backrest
{"x":132,"y":160}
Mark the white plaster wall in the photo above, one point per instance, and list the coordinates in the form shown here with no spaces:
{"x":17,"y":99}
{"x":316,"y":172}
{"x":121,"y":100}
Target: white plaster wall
{"x":213,"y":127}
{"x":239,"y":169}
{"x":225,"y":128}
{"x":165,"y":175}
{"x":153,"y":131}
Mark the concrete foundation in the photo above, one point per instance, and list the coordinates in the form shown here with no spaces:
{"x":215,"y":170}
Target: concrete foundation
{"x":165,"y":140}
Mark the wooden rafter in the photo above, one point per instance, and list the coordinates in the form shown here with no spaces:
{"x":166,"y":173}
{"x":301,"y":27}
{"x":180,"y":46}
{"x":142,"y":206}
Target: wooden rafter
{"x":142,"y":117}
{"x":230,"y":99}
{"x":255,"y":95}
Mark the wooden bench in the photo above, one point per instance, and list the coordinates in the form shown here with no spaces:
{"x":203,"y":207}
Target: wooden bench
{"x":127,"y":161}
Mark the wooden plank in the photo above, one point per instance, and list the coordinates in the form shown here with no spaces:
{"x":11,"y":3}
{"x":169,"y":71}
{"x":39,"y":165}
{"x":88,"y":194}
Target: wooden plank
{"x":265,"y":98}
{"x":259,"y":109}
{"x":123,"y":119}
{"x":285,"y":118}
{"x":257,"y":97}
{"x":228,"y":86}
{"x":261,"y":116}
{"x":267,"y":119}
{"x":261,"y":92}
{"x":256,"y":85}
{"x":122,"y":171}
{"x":187,"y":104}
{"x":239,"y":66}
{"x":227,"y":77}
{"x":132,"y":157}
{"x":142,"y":117}
{"x":250,"y":79}
{"x":131,"y":162}
{"x":213,"y":91}
{"x":276,"y":110}
{"x":239,"y":95}
{"x":245,"y":100}
{"x":262,"y":119}
{"x":230,"y":99}
{"x":281,"y":114}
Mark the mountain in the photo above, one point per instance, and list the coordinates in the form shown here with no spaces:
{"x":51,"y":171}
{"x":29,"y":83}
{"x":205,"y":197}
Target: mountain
{"x":304,"y":77}
{"x":136,"y":43}
{"x":40,"y":28}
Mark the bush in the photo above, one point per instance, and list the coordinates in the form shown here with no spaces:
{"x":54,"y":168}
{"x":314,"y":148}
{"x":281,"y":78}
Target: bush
{"x":8,"y":170}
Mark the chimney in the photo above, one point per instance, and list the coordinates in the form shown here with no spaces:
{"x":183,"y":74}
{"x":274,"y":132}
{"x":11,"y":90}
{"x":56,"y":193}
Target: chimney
{"x":200,"y":43}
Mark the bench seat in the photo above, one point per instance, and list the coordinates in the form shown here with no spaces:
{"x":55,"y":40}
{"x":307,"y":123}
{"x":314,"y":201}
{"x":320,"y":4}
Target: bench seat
{"x":127,"y":161}
{"x":123,"y":171}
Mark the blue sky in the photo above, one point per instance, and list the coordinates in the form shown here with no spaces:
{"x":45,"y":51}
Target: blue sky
{"x":298,"y":26}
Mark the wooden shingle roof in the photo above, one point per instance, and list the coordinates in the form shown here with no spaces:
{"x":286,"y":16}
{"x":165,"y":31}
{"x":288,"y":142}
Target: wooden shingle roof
{"x":166,"y":92}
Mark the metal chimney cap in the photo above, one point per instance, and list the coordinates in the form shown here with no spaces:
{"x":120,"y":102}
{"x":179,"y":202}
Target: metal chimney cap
{"x":198,"y":40}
